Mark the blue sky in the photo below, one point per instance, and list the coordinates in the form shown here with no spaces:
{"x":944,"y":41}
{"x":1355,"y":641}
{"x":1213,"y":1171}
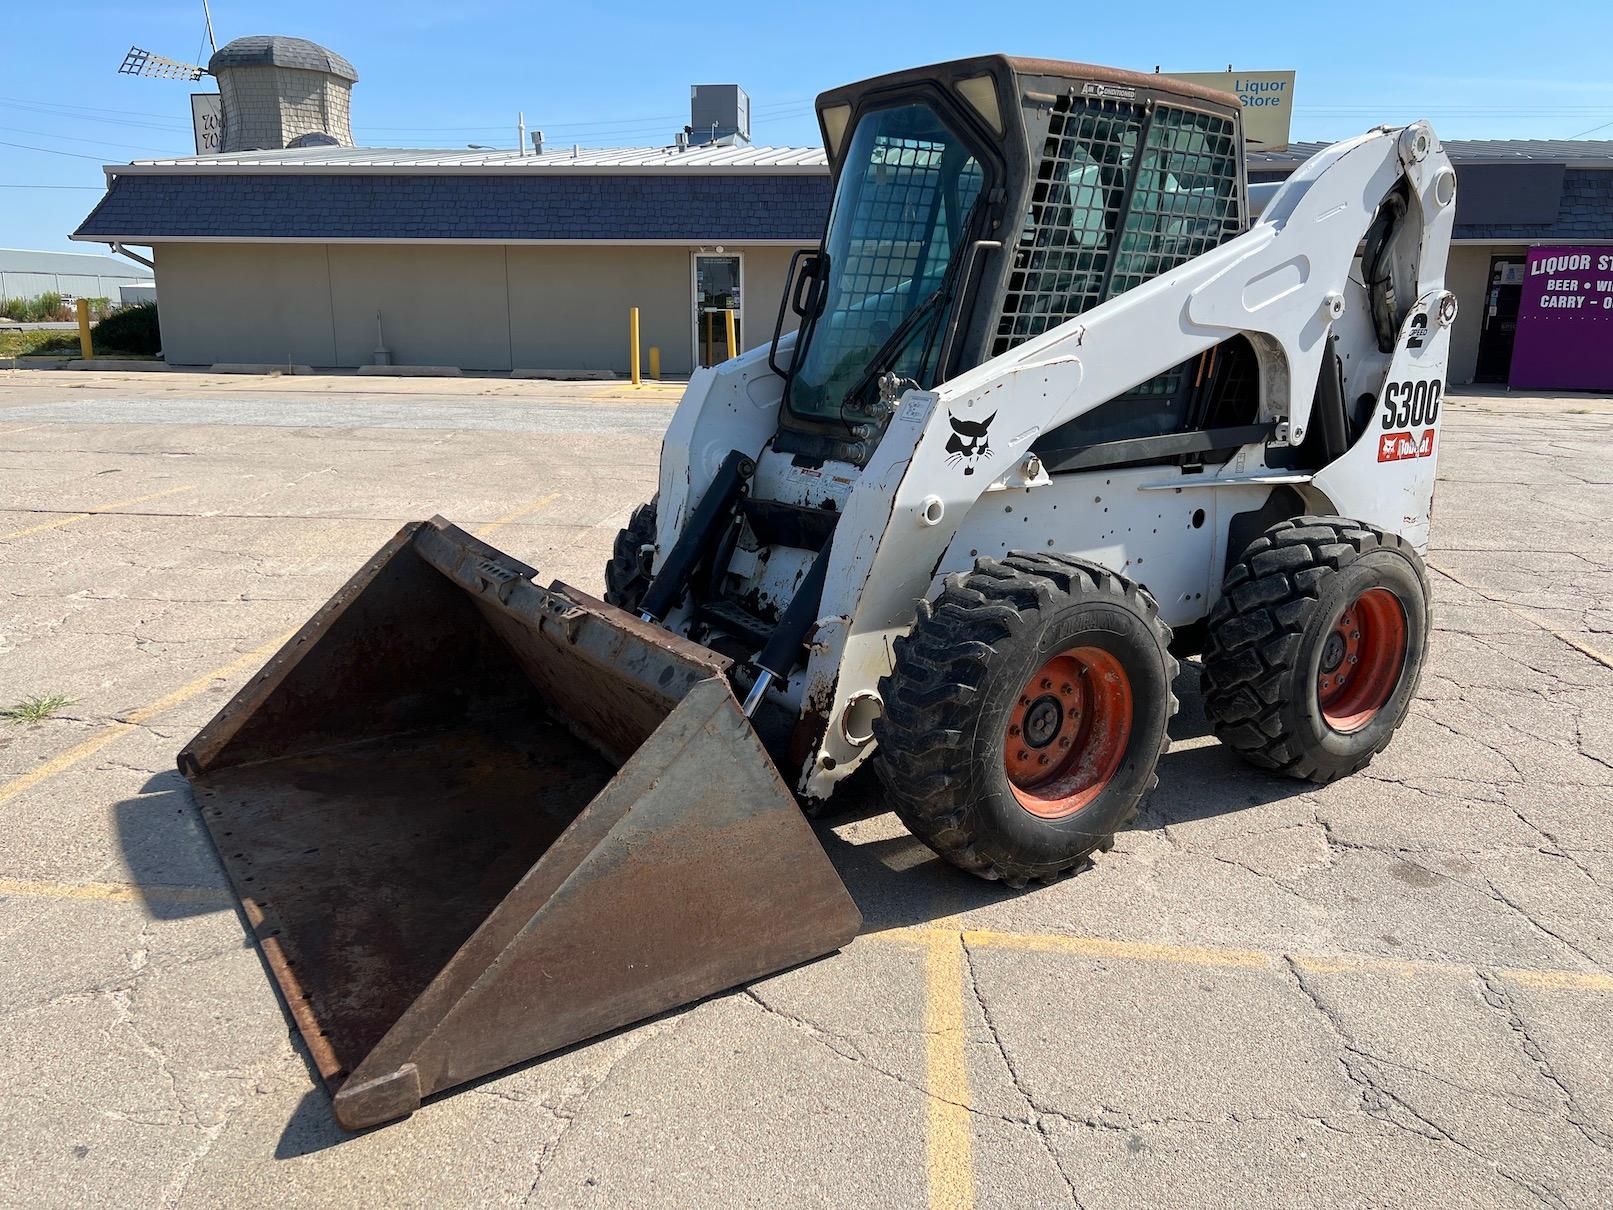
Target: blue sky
{"x":445,"y":74}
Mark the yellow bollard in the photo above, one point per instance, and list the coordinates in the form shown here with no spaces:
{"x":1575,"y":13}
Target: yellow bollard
{"x":632,"y":353}
{"x":655,"y":363}
{"x":86,"y":349}
{"x":733,"y":344}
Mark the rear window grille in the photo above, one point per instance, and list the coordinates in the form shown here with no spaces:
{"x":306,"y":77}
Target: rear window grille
{"x":1184,"y":202}
{"x":1186,"y":198}
{"x":1063,"y":250}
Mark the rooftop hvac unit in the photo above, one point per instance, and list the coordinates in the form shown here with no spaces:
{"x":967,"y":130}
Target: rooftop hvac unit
{"x":719,"y":113}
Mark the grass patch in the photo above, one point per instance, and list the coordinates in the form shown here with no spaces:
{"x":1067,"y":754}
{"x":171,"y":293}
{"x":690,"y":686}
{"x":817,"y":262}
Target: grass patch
{"x":36,"y":709}
{"x":23,"y":344}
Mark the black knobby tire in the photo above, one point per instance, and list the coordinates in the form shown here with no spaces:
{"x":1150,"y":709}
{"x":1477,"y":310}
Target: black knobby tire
{"x":1284,"y":601}
{"x":627,"y":575}
{"x":964,"y":671}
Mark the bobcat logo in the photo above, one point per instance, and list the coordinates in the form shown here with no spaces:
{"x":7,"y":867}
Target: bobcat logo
{"x":970,"y":442}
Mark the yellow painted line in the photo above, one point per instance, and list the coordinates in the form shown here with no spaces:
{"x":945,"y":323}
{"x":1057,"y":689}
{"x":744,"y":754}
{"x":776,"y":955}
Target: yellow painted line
{"x":1579,"y":645}
{"x":950,"y":1144}
{"x":115,"y":892}
{"x":1558,"y":981}
{"x":1102,"y":947}
{"x":119,"y":727}
{"x":518,"y":514}
{"x":1222,"y":956}
{"x":72,"y":518}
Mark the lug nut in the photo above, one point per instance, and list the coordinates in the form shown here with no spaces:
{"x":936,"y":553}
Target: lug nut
{"x":1064,"y":742}
{"x":1354,"y":634}
{"x":1024,"y":701}
{"x":1024,"y":755}
{"x":1041,"y":760}
{"x":1066,"y":688}
{"x":1014,"y":730}
{"x":1046,"y":684}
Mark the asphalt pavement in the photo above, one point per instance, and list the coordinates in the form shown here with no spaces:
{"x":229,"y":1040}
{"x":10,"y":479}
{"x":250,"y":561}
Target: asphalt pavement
{"x":1393,"y":991}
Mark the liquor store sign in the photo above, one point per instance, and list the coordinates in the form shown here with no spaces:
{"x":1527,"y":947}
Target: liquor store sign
{"x":1564,"y":339}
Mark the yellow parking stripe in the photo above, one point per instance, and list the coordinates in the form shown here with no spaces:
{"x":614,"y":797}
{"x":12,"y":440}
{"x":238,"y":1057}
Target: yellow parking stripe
{"x":521,"y":513}
{"x":115,"y":892}
{"x":119,"y":727}
{"x":58,"y":522}
{"x":950,"y":1145}
{"x":1228,"y":956}
{"x":1102,"y":947}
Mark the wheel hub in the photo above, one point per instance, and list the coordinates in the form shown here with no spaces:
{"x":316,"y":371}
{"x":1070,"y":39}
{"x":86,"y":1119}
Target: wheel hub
{"x":1333,"y":651}
{"x":1361,"y":660}
{"x":1043,"y":720}
{"x":1068,"y":732}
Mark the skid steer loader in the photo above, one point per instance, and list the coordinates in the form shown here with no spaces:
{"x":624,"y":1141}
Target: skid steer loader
{"x":1050,"y":396}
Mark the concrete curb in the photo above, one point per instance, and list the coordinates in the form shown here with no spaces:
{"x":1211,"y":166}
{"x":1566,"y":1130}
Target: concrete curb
{"x":258,"y":367}
{"x":570,"y":375}
{"x":30,"y":361}
{"x":117,"y":363}
{"x":413,"y":371}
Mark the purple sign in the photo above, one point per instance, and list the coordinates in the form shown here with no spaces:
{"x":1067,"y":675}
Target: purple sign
{"x":1565,"y":320}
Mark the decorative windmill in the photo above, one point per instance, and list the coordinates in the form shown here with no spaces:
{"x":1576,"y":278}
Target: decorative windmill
{"x":143,"y":63}
{"x":265,"y":85}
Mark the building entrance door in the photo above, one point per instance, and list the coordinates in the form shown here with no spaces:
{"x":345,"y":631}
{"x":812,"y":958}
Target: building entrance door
{"x":717,"y":291}
{"x":1501,"y":300}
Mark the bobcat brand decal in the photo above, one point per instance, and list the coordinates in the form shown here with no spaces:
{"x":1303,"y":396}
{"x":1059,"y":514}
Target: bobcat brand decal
{"x":970,"y":442}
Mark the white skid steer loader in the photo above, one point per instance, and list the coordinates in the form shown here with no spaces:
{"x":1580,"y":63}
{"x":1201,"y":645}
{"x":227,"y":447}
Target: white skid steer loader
{"x":1052,"y":397}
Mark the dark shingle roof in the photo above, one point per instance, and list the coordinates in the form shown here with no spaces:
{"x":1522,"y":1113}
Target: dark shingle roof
{"x":260,"y":50}
{"x":152,"y":208}
{"x":1582,"y":153}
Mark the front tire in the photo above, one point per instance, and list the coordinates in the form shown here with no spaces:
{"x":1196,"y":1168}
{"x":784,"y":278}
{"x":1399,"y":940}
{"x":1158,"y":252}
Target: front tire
{"x":1316,"y":647}
{"x":1026,"y":714}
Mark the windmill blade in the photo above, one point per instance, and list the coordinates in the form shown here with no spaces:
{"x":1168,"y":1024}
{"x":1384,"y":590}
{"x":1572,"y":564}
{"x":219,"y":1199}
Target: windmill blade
{"x":143,"y":63}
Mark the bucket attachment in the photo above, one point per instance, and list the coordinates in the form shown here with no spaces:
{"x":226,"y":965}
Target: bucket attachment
{"x":472,"y":820}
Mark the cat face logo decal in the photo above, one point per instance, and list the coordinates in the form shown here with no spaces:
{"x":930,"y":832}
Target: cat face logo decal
{"x":970,"y":442}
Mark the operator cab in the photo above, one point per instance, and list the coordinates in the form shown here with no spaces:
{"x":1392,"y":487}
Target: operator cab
{"x":978,"y":204}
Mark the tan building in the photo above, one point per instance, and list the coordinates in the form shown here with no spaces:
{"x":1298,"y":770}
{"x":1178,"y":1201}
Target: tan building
{"x":340,"y":257}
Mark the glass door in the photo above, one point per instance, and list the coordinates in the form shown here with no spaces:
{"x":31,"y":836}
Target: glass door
{"x":717,"y":308}
{"x":1500,"y":322}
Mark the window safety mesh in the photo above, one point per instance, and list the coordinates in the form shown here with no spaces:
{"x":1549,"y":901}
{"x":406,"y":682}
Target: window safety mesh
{"x":1186,"y":198}
{"x":1183,"y":203}
{"x":1063,"y":251}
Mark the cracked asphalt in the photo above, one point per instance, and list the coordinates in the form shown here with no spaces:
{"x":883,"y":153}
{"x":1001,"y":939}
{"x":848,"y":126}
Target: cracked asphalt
{"x":1393,"y":991}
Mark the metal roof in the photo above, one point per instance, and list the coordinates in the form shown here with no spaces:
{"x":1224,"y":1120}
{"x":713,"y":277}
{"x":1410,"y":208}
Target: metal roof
{"x":24,"y":260}
{"x":1580,"y":153}
{"x":773,"y":161}
{"x":265,"y":50}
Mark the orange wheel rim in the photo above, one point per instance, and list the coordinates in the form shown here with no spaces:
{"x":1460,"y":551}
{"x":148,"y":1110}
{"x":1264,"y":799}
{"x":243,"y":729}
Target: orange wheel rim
{"x":1362,"y":658}
{"x":1068,"y":732}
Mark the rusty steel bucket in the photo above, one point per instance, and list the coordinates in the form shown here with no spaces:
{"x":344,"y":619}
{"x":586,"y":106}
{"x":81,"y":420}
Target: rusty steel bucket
{"x":472,"y":820}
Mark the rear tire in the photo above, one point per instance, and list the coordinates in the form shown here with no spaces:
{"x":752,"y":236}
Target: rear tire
{"x":627,"y":575}
{"x":1316,"y":647}
{"x":1026,"y":714}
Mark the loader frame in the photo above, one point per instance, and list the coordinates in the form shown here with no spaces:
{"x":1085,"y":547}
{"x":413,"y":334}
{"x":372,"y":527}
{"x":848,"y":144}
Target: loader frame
{"x":909,"y":509}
